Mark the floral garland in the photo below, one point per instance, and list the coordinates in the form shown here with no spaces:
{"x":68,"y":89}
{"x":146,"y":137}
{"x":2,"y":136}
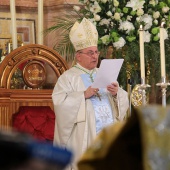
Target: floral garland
{"x":118,"y":21}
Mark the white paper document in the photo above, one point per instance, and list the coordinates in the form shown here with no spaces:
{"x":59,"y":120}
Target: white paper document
{"x":108,"y":72}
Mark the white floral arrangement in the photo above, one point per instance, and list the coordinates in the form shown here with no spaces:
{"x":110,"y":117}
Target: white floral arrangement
{"x":118,"y":21}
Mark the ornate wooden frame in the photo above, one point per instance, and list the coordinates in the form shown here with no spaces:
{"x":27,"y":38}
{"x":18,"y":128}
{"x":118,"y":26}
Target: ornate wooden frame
{"x":12,"y":99}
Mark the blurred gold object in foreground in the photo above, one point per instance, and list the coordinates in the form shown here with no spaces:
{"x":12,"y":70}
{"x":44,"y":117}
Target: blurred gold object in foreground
{"x":136,"y":96}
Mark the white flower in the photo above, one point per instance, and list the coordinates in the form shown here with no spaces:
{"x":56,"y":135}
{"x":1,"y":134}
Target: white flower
{"x":76,"y":8}
{"x":147,"y":36}
{"x":165,"y":9}
{"x":126,"y":26}
{"x":95,"y":8}
{"x":140,"y":12}
{"x":135,"y":4}
{"x":92,"y":20}
{"x":148,"y":21}
{"x":116,"y":3}
{"x":155,"y":22}
{"x":97,"y":17}
{"x":109,"y":13}
{"x":104,"y":22}
{"x":129,"y":18}
{"x":156,"y":14}
{"x":104,"y":1}
{"x":122,"y":18}
{"x":120,"y":43}
{"x":105,"y":39}
{"x":116,"y":16}
{"x":137,"y":19}
{"x":111,"y":24}
{"x":153,"y":2}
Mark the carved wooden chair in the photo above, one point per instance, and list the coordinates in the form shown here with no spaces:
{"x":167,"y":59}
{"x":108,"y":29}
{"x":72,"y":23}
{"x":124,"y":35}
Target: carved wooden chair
{"x":27,"y":78}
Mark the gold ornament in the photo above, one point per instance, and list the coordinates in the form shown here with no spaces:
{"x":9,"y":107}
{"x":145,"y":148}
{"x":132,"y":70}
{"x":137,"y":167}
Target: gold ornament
{"x":136,"y":96}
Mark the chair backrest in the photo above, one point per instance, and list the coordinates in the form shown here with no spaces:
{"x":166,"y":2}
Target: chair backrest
{"x":31,"y":65}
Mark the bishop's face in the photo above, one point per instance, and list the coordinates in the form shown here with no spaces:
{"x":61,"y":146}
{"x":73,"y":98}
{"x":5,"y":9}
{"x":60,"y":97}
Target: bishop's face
{"x":88,"y":57}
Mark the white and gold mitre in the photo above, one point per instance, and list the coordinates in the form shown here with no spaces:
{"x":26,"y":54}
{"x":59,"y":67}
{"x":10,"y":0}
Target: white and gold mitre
{"x":83,"y":35}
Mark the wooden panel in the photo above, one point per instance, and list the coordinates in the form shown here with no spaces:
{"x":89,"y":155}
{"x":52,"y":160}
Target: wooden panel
{"x":17,"y":103}
{"x":34,"y":3}
{"x":5,"y":117}
{"x":13,"y":99}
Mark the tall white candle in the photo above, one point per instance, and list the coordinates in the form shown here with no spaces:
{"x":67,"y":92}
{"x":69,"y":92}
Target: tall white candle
{"x":13,"y":24}
{"x":162,"y":50}
{"x":141,"y":44}
{"x":9,"y":47}
{"x":40,"y":22}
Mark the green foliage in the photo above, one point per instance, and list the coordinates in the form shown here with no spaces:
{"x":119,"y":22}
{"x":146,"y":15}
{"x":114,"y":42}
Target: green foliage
{"x":122,"y":19}
{"x":62,"y":27}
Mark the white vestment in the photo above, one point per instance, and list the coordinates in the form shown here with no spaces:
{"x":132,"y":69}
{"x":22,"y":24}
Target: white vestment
{"x":75,"y":118}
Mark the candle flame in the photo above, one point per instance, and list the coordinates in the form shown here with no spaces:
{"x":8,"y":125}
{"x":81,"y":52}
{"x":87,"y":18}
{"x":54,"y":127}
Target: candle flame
{"x":141,"y":28}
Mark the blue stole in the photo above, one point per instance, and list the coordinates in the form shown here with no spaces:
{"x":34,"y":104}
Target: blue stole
{"x":102,"y":108}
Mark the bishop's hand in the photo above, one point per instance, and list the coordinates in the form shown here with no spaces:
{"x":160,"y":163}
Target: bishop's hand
{"x":113,"y":88}
{"x":90,"y":92}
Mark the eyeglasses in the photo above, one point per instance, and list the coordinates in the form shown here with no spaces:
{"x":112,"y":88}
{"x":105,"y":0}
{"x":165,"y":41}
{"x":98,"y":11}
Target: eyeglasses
{"x":91,"y":53}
